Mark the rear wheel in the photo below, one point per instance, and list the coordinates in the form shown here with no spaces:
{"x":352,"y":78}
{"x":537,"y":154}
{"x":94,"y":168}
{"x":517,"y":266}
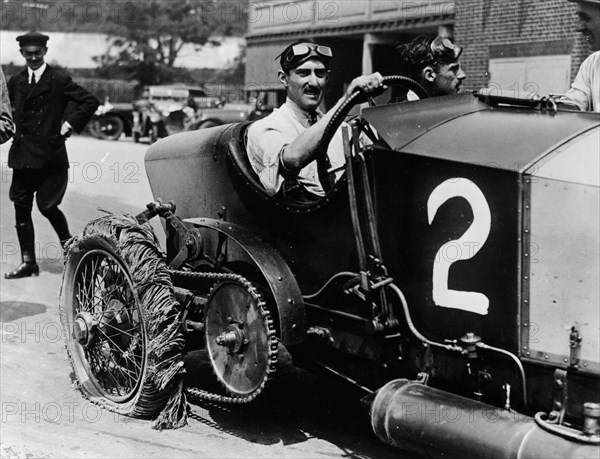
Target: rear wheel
{"x":154,"y":133}
{"x":120,"y":319}
{"x":110,"y":127}
{"x":208,"y":124}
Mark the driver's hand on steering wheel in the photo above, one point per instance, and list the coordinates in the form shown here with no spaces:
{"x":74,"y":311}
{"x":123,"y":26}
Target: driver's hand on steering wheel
{"x":370,"y":85}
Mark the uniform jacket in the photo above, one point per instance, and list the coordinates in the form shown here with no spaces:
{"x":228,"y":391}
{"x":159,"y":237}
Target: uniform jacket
{"x":39,"y":114}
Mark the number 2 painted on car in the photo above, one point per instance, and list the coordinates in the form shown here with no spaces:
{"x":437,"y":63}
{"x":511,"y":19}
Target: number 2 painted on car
{"x":467,"y":245}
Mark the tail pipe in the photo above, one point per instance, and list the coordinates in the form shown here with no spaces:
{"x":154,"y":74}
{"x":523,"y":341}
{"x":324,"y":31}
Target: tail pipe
{"x":437,"y":424}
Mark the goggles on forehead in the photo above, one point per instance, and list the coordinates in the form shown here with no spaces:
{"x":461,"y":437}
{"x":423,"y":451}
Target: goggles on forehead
{"x":444,"y":50}
{"x":301,"y":52}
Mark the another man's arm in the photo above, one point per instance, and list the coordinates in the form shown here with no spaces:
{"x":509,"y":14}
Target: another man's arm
{"x":302,"y":150}
{"x":580,"y":94}
{"x":7,"y":127}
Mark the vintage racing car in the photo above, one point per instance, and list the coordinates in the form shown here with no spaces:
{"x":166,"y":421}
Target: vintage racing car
{"x":452,"y":274}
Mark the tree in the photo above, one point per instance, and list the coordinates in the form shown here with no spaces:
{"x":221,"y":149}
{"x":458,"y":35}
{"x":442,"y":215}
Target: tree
{"x":146,"y":37}
{"x":52,"y":15}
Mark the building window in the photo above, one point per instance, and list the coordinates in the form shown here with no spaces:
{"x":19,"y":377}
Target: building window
{"x":531,"y":74}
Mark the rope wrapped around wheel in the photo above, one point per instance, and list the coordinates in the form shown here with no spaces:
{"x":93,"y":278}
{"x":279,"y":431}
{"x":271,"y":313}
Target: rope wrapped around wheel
{"x":134,"y":369}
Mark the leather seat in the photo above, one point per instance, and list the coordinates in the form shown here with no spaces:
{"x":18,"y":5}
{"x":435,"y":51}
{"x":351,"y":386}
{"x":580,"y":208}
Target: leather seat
{"x":297,"y":201}
{"x":237,"y":152}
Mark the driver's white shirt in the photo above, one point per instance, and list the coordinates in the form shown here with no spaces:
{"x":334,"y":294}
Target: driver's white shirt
{"x":268,"y":137}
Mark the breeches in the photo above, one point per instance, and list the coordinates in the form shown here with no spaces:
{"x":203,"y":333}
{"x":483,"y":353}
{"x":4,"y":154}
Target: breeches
{"x":48,"y":186}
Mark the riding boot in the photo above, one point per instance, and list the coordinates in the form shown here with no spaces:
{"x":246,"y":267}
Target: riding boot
{"x":28,"y":267}
{"x":59,"y":222}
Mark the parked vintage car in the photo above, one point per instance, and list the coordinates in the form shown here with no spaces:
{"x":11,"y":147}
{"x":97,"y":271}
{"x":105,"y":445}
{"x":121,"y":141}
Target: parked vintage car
{"x":160,"y":112}
{"x":112,"y":120}
{"x":451,"y":274}
{"x":228,"y":113}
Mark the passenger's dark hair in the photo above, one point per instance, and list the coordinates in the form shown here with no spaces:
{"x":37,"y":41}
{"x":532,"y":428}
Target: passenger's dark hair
{"x":413,"y":57}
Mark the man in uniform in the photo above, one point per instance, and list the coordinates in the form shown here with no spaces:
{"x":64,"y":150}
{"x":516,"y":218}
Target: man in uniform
{"x":432,"y":62}
{"x":585,"y":90}
{"x":283,"y":145}
{"x":38,"y":157}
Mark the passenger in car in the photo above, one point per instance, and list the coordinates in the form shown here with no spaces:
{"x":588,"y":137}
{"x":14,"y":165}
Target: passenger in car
{"x":282,"y":146}
{"x":431,"y":61}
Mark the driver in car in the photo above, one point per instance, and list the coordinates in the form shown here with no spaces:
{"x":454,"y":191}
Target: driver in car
{"x":282,"y":147}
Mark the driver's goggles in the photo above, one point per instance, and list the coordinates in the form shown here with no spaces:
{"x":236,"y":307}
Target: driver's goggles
{"x":300,"y":52}
{"x":442,"y":49}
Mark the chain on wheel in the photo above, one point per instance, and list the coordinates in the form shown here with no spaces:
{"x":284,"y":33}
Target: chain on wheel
{"x":240,"y":338}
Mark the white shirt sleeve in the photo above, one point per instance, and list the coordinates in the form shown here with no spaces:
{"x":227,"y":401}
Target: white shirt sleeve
{"x":584,"y":90}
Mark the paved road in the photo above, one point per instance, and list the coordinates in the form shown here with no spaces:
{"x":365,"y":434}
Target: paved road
{"x":302,"y":415}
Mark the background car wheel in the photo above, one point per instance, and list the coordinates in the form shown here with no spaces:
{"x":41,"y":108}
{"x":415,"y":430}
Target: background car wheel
{"x":208,"y":124}
{"x":110,"y":127}
{"x":154,"y":133}
{"x":121,"y":322}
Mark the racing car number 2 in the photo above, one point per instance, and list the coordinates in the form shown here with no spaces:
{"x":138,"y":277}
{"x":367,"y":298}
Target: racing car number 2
{"x":466,"y":246}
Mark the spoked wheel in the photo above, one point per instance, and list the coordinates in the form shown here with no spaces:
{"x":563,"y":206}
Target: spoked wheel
{"x":110,"y":127}
{"x":240,"y":338}
{"x":121,"y":322}
{"x":109,"y":335}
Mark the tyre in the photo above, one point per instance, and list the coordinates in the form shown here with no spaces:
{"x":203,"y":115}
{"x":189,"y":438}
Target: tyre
{"x":121,"y":321}
{"x":93,"y":128}
{"x":110,"y":127}
{"x":154,"y":133}
{"x":208,"y":124}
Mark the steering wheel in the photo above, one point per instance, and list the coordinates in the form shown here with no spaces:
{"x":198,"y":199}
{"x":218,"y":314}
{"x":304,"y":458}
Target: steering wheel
{"x":343,"y":110}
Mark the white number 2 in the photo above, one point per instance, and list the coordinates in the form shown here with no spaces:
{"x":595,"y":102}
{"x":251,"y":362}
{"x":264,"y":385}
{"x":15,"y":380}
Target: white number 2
{"x":463,"y":248}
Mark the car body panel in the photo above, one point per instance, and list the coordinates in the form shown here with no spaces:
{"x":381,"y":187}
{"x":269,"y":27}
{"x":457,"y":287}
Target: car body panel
{"x":458,"y":129}
{"x":488,"y":222}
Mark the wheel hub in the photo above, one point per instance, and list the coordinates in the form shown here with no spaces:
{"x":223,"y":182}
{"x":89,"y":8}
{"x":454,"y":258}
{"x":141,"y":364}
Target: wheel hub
{"x":233,"y":339}
{"x":115,"y":311}
{"x":85,"y":329}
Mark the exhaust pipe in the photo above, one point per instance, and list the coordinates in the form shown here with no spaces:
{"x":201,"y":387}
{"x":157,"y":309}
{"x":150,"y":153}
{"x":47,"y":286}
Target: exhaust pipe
{"x":437,"y":424}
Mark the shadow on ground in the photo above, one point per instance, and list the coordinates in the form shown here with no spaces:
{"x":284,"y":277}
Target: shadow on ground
{"x":15,"y":310}
{"x":52,"y":266}
{"x":293,"y":408}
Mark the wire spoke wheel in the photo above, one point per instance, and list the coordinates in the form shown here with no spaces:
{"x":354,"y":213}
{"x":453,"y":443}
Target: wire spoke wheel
{"x":110,"y":337}
{"x":121,"y":321}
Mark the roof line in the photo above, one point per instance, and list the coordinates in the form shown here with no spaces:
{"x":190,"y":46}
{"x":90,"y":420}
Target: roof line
{"x":347,"y":29}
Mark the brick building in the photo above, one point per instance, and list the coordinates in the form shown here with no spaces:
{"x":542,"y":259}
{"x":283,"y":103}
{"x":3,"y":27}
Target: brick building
{"x":362,"y":34}
{"x":519,"y":44}
{"x":528,"y":45}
